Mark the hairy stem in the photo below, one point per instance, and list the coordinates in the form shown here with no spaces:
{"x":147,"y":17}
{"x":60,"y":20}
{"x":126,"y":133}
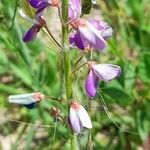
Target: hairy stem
{"x":66,"y":62}
{"x":66,"y":55}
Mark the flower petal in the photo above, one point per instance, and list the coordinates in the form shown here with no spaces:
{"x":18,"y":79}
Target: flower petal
{"x":37,"y":3}
{"x":74,"y":9}
{"x":78,"y":41}
{"x":25,"y":99}
{"x":70,"y":12}
{"x":102,"y":27}
{"x":107,"y":32}
{"x":31,"y":33}
{"x":30,"y":106}
{"x":71,"y":38}
{"x":106,"y":72}
{"x":84,"y":117}
{"x":39,"y":13}
{"x":87,"y":34}
{"x":99,"y":25}
{"x":91,"y":84}
{"x":92,"y":35}
{"x":99,"y":43}
{"x":74,"y":121}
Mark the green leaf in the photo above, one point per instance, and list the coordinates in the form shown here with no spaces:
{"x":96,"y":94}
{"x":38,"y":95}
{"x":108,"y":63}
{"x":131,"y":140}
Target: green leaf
{"x":22,"y":73}
{"x":10,"y":89}
{"x":3,"y":58}
{"x":117,"y":94}
{"x":143,"y":124}
{"x":144,"y":67}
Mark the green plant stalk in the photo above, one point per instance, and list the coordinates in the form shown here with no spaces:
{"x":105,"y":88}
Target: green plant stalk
{"x":66,"y":55}
{"x":74,"y":145}
{"x":66,"y":63}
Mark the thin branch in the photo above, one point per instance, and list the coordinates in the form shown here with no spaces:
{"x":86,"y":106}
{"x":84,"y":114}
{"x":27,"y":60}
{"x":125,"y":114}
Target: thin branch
{"x":30,"y":124}
{"x":55,"y":99}
{"x":60,"y":16}
{"x":78,"y":60}
{"x":53,"y":38}
{"x":73,"y":71}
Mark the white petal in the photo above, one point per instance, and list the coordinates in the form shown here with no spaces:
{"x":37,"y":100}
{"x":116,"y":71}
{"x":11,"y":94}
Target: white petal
{"x":74,"y":121}
{"x":95,"y":31}
{"x":24,"y":99}
{"x":92,"y":35}
{"x":84,"y":117}
{"x":87,"y":33}
{"x":106,"y":72}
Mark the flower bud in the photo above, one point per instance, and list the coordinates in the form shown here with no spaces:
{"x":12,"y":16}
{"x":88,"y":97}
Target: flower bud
{"x":29,"y":100}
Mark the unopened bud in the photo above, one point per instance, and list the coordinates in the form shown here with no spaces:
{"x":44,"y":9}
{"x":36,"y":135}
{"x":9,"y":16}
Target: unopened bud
{"x":55,"y":112}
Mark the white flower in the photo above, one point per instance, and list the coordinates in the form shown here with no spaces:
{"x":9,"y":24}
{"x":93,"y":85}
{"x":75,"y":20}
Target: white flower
{"x":78,"y":117}
{"x":28,"y":100}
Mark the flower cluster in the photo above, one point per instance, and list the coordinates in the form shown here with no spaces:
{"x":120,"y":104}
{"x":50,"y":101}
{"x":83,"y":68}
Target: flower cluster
{"x":86,"y":35}
{"x":93,"y":34}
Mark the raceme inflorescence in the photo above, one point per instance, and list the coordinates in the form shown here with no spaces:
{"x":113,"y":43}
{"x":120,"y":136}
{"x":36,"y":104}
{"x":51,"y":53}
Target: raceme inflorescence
{"x":87,"y":35}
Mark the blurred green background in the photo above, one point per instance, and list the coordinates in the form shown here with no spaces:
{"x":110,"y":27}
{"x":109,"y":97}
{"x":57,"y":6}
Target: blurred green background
{"x":36,"y":66}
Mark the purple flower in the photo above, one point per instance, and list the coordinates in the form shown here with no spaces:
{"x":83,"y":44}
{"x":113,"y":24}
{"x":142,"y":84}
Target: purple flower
{"x":38,"y":4}
{"x":74,"y":9}
{"x":78,"y":117}
{"x":91,"y":34}
{"x":28,"y":100}
{"x":32,"y":32}
{"x":104,"y":72}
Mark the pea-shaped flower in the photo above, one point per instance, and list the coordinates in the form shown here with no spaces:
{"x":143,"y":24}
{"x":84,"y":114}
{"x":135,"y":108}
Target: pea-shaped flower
{"x":28,"y":100}
{"x":90,"y":33}
{"x":104,"y":72}
{"x":78,"y":117}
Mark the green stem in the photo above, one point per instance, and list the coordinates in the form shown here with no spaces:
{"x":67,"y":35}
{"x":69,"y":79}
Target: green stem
{"x":66,"y":55}
{"x":66,"y":62}
{"x":74,"y":145}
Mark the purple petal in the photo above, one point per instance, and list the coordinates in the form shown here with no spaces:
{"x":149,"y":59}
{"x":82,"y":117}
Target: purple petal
{"x":91,"y":84}
{"x":74,"y":9}
{"x":106,"y":72}
{"x":39,"y":12}
{"x":74,"y":121}
{"x":38,"y":3}
{"x":99,"y":25}
{"x":70,"y":12}
{"x":99,"y":44}
{"x":93,"y":36}
{"x":31,"y":33}
{"x":78,"y":41}
{"x":71,"y":39}
{"x":107,"y":32}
